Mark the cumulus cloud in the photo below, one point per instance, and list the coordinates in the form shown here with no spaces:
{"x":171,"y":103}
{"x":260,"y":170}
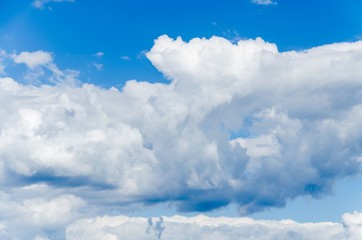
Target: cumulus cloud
{"x":33,"y":59}
{"x":40,"y":3}
{"x":201,"y":227}
{"x":39,"y":61}
{"x":353,"y":225}
{"x":241,"y":123}
{"x":264,"y":2}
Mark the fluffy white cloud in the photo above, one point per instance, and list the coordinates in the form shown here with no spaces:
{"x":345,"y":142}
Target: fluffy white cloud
{"x":37,"y":210}
{"x":200,"y":227}
{"x":264,"y":2}
{"x":240,"y":123}
{"x":39,"y":61}
{"x":33,"y":59}
{"x":353,"y":224}
{"x":41,"y":3}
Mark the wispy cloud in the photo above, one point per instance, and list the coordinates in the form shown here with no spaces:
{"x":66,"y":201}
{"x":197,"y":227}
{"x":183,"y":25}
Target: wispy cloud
{"x":37,"y":61}
{"x":40,"y":3}
{"x":99,"y":66}
{"x":264,"y":2}
{"x":99,"y":54}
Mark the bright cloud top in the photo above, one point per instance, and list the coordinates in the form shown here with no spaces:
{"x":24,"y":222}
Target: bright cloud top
{"x":239,"y":123}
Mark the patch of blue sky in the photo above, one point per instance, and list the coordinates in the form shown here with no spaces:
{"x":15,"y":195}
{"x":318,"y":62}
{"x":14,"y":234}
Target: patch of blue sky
{"x":244,"y":132}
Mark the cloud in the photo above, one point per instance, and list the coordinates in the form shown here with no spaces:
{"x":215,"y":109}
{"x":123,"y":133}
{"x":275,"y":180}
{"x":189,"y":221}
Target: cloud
{"x":33,"y":59}
{"x":241,"y":123}
{"x":353,"y":225}
{"x":39,"y":61}
{"x":40,"y":3}
{"x":3,"y":56}
{"x":264,"y":2}
{"x":201,"y":227}
{"x":38,"y":212}
{"x":99,"y":66}
{"x":99,"y":54}
{"x":125,"y":58}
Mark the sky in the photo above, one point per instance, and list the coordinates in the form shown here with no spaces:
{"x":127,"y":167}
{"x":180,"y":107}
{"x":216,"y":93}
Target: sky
{"x":158,"y":116}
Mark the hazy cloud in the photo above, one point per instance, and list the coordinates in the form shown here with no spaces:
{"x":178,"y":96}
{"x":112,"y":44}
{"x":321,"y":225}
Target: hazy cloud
{"x":99,"y":66}
{"x":99,"y":54}
{"x":40,"y":3}
{"x":3,"y":56}
{"x":264,"y":2}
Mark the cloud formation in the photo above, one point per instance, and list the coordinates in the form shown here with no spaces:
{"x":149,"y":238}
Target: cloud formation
{"x":241,"y":123}
{"x":201,"y":227}
{"x":39,"y":61}
{"x":33,"y":59}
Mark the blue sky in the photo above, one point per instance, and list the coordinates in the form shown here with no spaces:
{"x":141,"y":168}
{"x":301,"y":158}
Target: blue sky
{"x":136,"y":108}
{"x":74,"y":31}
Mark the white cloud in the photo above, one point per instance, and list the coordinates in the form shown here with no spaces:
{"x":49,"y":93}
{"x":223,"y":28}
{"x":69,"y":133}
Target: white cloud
{"x":264,"y":2}
{"x":294,"y":118}
{"x":200,"y":227}
{"x":33,"y":59}
{"x":99,"y":66}
{"x":39,"y":61}
{"x":353,"y":225}
{"x":40,"y":3}
{"x":125,"y":58}
{"x":34,"y":209}
{"x":99,"y":54}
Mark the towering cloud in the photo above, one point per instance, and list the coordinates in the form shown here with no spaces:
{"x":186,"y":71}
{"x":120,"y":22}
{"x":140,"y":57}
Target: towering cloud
{"x":240,"y":123}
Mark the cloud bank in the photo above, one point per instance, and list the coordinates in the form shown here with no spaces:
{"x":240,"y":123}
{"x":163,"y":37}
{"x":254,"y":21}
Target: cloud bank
{"x":241,"y":123}
{"x":205,"y":228}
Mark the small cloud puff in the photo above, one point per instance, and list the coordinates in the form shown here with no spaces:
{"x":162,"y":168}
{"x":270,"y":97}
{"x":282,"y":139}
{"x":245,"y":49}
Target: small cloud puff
{"x":33,"y":59}
{"x":126,"y":58}
{"x":99,"y":54}
{"x":264,"y":2}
